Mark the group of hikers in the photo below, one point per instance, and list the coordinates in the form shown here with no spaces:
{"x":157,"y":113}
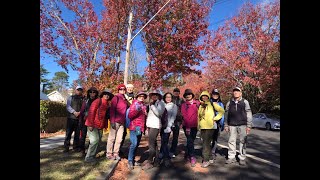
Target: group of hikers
{"x":162,"y":114}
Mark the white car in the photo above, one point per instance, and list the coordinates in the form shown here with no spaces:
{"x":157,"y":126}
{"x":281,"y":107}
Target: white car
{"x":267,"y":121}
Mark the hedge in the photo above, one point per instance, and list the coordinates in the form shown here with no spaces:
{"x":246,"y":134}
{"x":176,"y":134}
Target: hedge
{"x":50,"y":109}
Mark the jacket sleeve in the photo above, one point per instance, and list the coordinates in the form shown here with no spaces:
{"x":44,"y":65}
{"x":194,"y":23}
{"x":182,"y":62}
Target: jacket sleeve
{"x":173,"y":115}
{"x":92,"y":113}
{"x":113,"y":108}
{"x":220,"y":111}
{"x":226,"y":114}
{"x":158,"y":110}
{"x":69,"y":108}
{"x":134,"y":111}
{"x":249,"y":114}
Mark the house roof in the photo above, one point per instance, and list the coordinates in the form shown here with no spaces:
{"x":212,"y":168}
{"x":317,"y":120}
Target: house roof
{"x":43,"y":96}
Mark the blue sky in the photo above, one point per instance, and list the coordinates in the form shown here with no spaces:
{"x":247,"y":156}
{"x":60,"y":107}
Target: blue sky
{"x":223,"y":9}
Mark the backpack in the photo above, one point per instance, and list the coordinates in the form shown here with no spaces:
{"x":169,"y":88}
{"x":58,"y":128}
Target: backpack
{"x":164,"y":118}
{"x":127,"y":118}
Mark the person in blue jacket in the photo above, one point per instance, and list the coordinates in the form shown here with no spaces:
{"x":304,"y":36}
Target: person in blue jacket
{"x":215,"y":97}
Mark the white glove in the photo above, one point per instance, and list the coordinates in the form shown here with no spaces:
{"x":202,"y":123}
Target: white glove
{"x":167,"y":130}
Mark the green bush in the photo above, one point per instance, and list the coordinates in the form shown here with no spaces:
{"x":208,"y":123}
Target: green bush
{"x":50,"y":109}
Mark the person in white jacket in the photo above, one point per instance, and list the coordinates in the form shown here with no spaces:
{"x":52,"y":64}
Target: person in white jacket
{"x":172,"y":110}
{"x":156,"y":109}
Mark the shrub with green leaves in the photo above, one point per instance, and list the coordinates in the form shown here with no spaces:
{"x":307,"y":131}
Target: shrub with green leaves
{"x":50,"y":109}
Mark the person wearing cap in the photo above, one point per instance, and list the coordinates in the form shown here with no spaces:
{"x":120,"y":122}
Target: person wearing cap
{"x":238,"y":121}
{"x":96,"y":122}
{"x":137,"y":115}
{"x":172,"y":110}
{"x":129,"y":95}
{"x":206,"y":124}
{"x":119,"y":105}
{"x":74,"y":103}
{"x":156,"y":109}
{"x":177,"y":100}
{"x":219,"y":124}
{"x":189,"y":112}
{"x":92,"y":94}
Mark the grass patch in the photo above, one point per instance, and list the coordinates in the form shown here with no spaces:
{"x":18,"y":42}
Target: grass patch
{"x":54,"y":164}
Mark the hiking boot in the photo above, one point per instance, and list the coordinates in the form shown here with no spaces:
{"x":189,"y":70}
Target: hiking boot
{"x":156,"y":162}
{"x":148,"y":165}
{"x":172,"y":155}
{"x":230,"y":161}
{"x":205,"y":164}
{"x":193,"y":161}
{"x":242,"y":162}
{"x":130,"y":165}
{"x":137,"y":164}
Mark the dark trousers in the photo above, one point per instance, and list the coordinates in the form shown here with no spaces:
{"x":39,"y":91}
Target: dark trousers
{"x":175,"y":137}
{"x":83,"y":135}
{"x":164,"y":149}
{"x":190,"y":141}
{"x":153,"y":134}
{"x":216,"y":134}
{"x":72,"y":125}
{"x":206,"y":135}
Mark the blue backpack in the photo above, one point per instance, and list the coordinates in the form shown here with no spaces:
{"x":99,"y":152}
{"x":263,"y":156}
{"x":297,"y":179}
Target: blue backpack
{"x":127,"y":118}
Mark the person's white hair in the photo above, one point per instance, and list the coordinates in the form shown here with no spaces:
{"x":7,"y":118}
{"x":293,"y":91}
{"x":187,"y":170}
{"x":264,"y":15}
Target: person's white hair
{"x":129,"y":86}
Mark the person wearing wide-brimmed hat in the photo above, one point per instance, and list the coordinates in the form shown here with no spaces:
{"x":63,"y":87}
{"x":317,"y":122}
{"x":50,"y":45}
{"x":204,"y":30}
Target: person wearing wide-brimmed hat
{"x":156,"y":109}
{"x":96,"y":122}
{"x":137,"y":115}
{"x":189,"y":112}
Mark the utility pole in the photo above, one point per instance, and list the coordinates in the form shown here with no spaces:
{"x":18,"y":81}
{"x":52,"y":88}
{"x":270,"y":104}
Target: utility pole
{"x":129,"y":40}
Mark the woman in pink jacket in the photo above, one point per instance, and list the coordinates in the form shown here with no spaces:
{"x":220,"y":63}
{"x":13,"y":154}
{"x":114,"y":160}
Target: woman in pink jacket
{"x":137,"y":116}
{"x":189,"y":112}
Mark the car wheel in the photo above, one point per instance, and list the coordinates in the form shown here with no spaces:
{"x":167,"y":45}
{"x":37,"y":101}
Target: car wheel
{"x":268,"y":126}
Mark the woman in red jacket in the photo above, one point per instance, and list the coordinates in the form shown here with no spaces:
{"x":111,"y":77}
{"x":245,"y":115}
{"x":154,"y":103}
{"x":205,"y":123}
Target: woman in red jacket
{"x":137,"y":115}
{"x":96,"y":123}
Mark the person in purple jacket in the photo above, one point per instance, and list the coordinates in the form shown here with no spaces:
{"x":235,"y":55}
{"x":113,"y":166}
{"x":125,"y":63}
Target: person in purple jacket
{"x":119,"y":105}
{"x":189,"y":112}
{"x":137,"y":115}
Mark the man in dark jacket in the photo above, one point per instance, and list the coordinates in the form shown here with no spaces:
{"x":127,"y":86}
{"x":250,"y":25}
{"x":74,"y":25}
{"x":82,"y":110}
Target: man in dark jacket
{"x":238,"y":120}
{"x":74,"y":103}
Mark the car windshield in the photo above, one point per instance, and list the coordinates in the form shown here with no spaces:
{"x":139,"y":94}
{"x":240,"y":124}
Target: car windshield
{"x":273,"y":116}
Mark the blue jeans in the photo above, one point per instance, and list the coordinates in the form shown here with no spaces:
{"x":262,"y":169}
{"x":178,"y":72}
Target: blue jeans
{"x":135,"y":141}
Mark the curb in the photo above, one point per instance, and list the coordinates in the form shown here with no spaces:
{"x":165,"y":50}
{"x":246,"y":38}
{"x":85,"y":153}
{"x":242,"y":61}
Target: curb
{"x":110,"y":171}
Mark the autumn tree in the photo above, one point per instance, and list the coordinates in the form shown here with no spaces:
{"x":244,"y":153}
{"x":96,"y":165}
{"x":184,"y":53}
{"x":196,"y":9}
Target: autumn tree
{"x":245,"y":51}
{"x":172,"y":37}
{"x":82,"y":41}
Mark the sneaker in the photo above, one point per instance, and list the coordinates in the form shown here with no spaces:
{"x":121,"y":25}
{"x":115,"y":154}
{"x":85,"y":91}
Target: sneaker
{"x":116,"y":157}
{"x":137,"y":164}
{"x":193,"y":161}
{"x":242,"y":162}
{"x":230,"y":161}
{"x":211,"y":161}
{"x":205,"y":164}
{"x":130,"y":165}
{"x":172,"y":155}
{"x":109,"y":156}
{"x":148,"y":165}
